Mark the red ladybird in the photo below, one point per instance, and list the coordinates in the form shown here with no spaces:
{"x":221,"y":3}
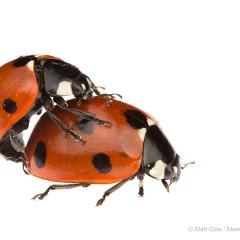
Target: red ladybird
{"x":27,"y":84}
{"x":133,"y":146}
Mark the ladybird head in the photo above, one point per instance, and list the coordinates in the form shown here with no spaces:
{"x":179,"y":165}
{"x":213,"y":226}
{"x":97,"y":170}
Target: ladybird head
{"x":64,"y":79}
{"x":160,"y":160}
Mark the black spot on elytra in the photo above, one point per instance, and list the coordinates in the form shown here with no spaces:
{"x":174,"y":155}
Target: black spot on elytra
{"x":9,"y":106}
{"x":40,"y":154}
{"x":21,"y":61}
{"x":102,"y":163}
{"x":85,"y":126}
{"x":136,"y":119}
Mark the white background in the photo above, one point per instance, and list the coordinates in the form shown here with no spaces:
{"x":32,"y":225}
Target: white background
{"x":179,"y":61}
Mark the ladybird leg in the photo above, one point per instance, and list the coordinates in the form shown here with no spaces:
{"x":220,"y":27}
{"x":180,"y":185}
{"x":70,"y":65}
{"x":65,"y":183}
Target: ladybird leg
{"x":62,"y":126}
{"x":88,"y":116}
{"x":18,"y":145}
{"x":93,"y":87}
{"x":16,"y":142}
{"x":140,"y":176}
{"x":8,"y":151}
{"x":110,"y":95}
{"x":12,"y":145}
{"x":113,"y":189}
{"x":48,"y":104}
{"x":104,"y":95}
{"x":186,"y":164}
{"x":165,"y":184}
{"x":63,"y":104}
{"x":58,"y":186}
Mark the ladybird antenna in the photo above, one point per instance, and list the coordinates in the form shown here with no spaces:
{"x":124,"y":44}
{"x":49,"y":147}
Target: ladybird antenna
{"x":186,"y":164}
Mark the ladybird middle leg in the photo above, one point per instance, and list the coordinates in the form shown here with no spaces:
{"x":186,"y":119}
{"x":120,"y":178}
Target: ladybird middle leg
{"x":140,"y":176}
{"x":62,"y":126}
{"x":60,"y":101}
{"x":113,"y":189}
{"x":58,"y":186}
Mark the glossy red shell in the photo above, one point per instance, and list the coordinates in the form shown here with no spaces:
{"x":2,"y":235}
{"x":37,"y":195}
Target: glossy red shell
{"x":69,"y":161}
{"x":19,"y":84}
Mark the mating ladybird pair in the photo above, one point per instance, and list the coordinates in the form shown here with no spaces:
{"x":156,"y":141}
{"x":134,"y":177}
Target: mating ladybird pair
{"x":91,"y":139}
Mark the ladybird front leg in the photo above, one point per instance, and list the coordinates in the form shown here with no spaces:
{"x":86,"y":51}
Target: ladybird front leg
{"x":113,"y":189}
{"x":90,"y":88}
{"x":165,"y":184}
{"x":58,"y":186}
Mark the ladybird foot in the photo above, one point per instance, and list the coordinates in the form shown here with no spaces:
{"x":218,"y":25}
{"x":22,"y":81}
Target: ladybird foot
{"x":75,"y":136}
{"x":110,"y":95}
{"x":39,"y":197}
{"x":141,"y":192}
{"x":110,"y":98}
{"x":100,"y":202}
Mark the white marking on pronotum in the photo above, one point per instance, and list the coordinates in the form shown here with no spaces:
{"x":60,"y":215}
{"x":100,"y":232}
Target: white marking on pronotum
{"x":64,"y":88}
{"x":30,"y":65}
{"x":175,"y":169}
{"x":150,"y":122}
{"x":142,"y":133}
{"x":158,"y":169}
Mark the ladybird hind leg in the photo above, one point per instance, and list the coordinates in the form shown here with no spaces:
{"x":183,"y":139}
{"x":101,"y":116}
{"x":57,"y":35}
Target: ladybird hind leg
{"x":113,"y":189}
{"x":63,"y":127}
{"x":58,"y":187}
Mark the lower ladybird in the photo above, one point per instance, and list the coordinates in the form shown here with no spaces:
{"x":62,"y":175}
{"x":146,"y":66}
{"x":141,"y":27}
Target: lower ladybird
{"x":132,"y":147}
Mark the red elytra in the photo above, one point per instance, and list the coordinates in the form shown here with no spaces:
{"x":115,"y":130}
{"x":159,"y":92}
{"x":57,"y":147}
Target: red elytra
{"x":56,"y":157}
{"x":19,"y":86}
{"x":132,"y":147}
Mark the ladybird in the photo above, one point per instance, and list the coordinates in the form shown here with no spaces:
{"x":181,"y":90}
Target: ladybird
{"x":31,"y":82}
{"x":132,"y":147}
